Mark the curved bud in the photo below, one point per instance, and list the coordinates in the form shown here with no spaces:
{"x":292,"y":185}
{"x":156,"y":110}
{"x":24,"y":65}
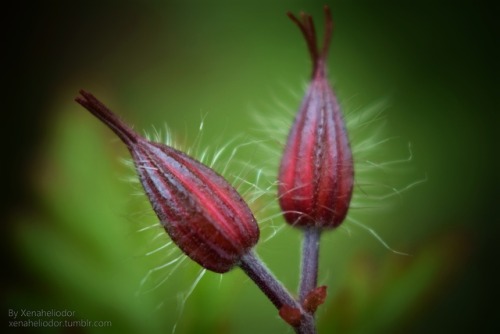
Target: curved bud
{"x":316,"y":172}
{"x":203,"y":214}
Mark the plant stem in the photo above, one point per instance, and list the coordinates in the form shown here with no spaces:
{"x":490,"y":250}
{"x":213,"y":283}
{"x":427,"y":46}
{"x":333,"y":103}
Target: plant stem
{"x":274,"y":290}
{"x":310,"y":255}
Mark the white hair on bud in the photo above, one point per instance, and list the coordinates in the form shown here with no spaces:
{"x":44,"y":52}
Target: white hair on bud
{"x":366,"y":131}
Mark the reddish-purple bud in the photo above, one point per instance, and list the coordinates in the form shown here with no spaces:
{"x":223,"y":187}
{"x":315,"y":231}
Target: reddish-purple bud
{"x":203,"y":214}
{"x":316,"y":172}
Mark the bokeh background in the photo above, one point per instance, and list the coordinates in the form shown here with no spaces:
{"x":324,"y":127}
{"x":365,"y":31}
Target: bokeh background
{"x":70,"y":222}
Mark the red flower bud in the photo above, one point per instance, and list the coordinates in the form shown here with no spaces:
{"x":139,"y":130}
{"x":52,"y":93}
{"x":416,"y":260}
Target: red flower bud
{"x":201,"y":212}
{"x":316,"y":172}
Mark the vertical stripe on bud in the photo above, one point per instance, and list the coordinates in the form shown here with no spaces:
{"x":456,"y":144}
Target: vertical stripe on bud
{"x":203,"y":214}
{"x":316,"y":172}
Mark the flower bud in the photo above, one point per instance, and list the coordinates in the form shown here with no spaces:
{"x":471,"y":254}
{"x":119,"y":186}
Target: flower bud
{"x":202,"y":213}
{"x":316,"y":172}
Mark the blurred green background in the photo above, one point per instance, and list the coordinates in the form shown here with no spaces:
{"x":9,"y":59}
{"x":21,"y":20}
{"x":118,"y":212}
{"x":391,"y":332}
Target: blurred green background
{"x":70,"y":221}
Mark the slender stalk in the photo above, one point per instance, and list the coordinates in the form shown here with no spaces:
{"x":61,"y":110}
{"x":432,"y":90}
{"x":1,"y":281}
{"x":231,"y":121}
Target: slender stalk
{"x":310,"y":255}
{"x":275,"y":291}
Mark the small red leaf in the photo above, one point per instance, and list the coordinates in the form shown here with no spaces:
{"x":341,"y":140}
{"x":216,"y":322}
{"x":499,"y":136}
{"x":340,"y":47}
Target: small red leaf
{"x":291,"y":315}
{"x":314,"y":299}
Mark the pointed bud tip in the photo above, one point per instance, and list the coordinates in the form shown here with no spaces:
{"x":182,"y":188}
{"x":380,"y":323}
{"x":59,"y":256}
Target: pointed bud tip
{"x":306,"y":26}
{"x":99,"y":110}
